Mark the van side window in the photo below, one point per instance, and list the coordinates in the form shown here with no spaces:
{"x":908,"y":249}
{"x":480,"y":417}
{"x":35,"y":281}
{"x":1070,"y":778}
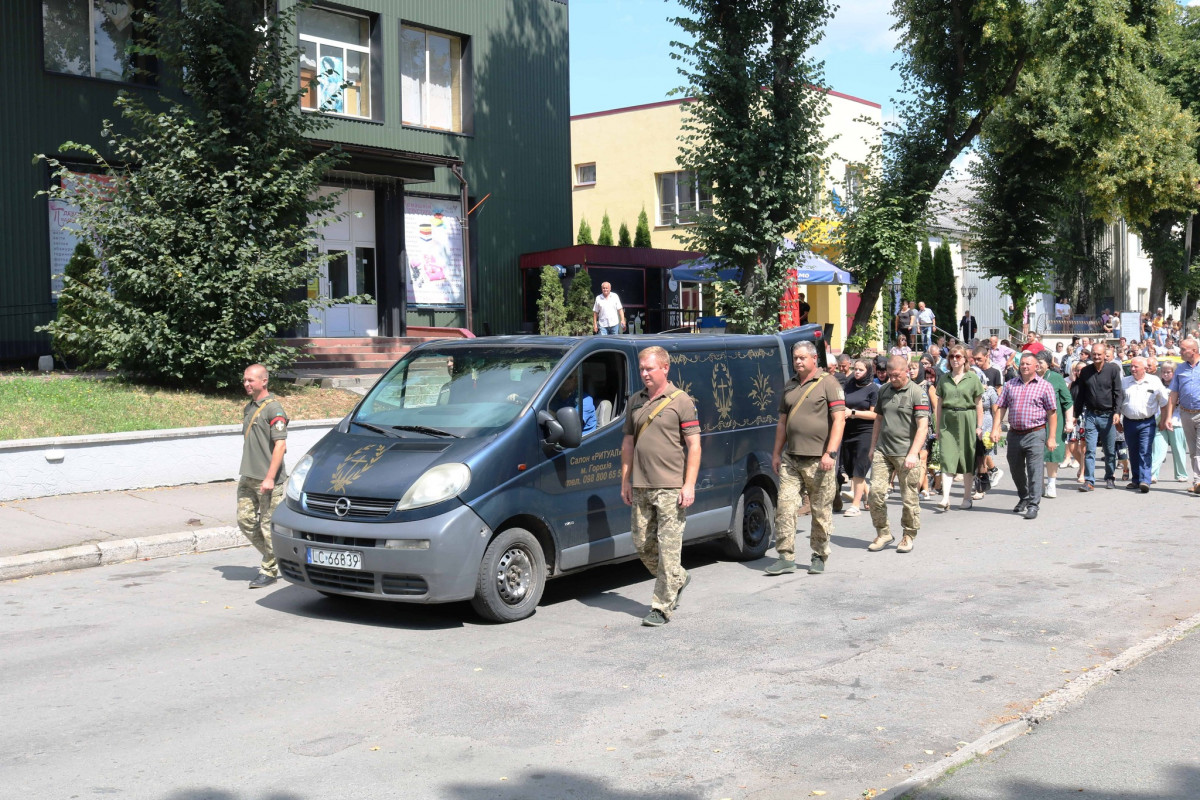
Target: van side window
{"x":596,"y":388}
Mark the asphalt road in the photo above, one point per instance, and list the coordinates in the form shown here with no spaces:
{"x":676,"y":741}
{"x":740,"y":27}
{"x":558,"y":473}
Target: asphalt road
{"x":170,"y":680}
{"x":1131,"y":738}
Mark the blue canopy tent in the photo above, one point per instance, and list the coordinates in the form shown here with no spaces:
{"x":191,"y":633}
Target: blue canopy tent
{"x":812,"y":269}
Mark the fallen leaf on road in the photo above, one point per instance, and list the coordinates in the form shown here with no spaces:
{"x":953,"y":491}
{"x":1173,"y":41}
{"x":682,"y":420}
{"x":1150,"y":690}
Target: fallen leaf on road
{"x":504,"y":779}
{"x":610,"y":749}
{"x":662,"y":676}
{"x":203,"y":602}
{"x":373,"y":749}
{"x":908,"y":766}
{"x":879,"y":727}
{"x":824,"y":716}
{"x":479,"y":669}
{"x":816,"y":793}
{"x":716,"y":751}
{"x":229,"y":606}
{"x":928,"y":752}
{"x":858,"y":618}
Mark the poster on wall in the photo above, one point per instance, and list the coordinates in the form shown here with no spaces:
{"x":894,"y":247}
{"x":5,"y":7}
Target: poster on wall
{"x":433,"y":237}
{"x":63,"y":238}
{"x":330,"y":85}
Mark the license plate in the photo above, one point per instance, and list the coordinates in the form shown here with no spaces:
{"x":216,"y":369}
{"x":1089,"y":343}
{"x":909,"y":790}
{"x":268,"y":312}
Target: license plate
{"x":342,"y":559}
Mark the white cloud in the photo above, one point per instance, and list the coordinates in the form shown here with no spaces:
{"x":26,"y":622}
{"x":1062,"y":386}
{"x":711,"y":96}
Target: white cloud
{"x":862,"y":25}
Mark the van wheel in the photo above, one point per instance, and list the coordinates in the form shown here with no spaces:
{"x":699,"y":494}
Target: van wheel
{"x":753,"y":526}
{"x":512,"y":576}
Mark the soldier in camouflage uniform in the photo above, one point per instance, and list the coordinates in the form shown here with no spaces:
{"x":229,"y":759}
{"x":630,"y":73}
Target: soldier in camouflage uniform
{"x":812,"y":416}
{"x":261,"y":486}
{"x":660,"y":458}
{"x":901,"y":427}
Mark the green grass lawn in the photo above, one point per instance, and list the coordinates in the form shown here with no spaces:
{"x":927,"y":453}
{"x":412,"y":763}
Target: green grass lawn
{"x":33,"y":406}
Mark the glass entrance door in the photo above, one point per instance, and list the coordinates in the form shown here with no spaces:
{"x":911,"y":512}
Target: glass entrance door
{"x":348,"y":272}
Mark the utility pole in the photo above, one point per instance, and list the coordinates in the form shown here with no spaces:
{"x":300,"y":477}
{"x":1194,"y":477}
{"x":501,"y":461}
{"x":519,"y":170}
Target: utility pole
{"x":1187,"y":269}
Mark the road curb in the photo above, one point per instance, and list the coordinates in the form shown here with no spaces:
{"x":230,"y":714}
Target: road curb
{"x":1054,"y":703}
{"x":117,"y":551}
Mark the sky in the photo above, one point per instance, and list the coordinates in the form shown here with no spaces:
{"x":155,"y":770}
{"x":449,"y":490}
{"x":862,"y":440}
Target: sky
{"x":621,"y":52}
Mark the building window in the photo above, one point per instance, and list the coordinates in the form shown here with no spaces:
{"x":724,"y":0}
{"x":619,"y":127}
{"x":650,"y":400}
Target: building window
{"x":681,"y":198}
{"x":431,"y":79}
{"x":585,"y":174}
{"x":335,"y":62}
{"x":89,"y":37}
{"x":854,"y":183}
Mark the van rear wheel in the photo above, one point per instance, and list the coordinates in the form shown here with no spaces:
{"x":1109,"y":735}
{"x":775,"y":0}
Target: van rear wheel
{"x":511,"y":578}
{"x":753,"y":526}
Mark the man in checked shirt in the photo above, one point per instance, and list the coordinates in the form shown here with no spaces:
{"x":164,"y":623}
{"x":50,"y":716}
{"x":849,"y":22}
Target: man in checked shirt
{"x":1032,"y":410}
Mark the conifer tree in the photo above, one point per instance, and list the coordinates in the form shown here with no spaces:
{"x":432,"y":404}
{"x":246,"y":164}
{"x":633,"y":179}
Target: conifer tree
{"x":926,"y":286}
{"x":623,"y":239}
{"x":552,"y":311}
{"x":641,"y":236}
{"x":585,"y":232}
{"x":580,"y":300}
{"x":605,"y":238}
{"x":947,"y":293}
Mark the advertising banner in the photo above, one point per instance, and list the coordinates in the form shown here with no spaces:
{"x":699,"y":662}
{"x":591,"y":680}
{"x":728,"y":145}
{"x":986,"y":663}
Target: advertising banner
{"x":63,"y":238}
{"x":331,"y":78}
{"x":433,"y":238}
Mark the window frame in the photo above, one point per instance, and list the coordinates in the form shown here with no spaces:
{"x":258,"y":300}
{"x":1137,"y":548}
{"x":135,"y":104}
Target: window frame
{"x":462,"y":103}
{"x":703,"y":199}
{"x":579,"y":181}
{"x":620,"y":392}
{"x":372,"y":52}
{"x":147,"y":76}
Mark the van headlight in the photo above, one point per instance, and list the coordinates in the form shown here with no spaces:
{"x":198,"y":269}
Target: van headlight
{"x":437,"y":484}
{"x":295,"y":482}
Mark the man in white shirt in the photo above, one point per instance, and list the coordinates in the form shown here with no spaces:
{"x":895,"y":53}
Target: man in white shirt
{"x":1145,"y":395}
{"x":926,"y":317}
{"x":608,"y":315}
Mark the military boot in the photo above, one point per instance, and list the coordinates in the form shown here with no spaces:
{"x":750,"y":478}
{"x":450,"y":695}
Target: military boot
{"x":881,"y":541}
{"x":906,"y":544}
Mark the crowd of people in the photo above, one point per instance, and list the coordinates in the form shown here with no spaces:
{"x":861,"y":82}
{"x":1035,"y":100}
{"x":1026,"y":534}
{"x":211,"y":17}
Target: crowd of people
{"x":923,"y":421}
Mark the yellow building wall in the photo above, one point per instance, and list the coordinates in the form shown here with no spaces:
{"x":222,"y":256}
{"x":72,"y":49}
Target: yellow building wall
{"x":631,"y":146}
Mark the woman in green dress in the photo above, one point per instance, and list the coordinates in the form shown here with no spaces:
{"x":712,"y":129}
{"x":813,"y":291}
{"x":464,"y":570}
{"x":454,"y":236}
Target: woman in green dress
{"x":959,"y":425}
{"x":1045,"y":369}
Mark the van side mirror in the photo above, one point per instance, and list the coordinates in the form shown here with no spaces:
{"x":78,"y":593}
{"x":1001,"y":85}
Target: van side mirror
{"x":554,"y":429}
{"x":571,"y":426}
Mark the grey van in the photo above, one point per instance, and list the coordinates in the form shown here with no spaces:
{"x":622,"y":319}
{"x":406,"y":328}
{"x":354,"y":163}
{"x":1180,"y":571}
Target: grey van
{"x":475,"y":470}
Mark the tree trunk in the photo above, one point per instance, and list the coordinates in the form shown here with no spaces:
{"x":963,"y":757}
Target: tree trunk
{"x":867,"y":298}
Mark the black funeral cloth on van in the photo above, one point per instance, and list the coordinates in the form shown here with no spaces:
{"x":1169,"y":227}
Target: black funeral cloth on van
{"x":660,"y":451}
{"x":808,"y":427}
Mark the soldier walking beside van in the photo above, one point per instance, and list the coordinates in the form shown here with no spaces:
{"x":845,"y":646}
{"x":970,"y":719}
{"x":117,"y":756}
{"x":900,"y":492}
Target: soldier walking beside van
{"x":261,"y":485}
{"x":812,"y":417}
{"x":660,"y":458}
{"x":901,"y":427}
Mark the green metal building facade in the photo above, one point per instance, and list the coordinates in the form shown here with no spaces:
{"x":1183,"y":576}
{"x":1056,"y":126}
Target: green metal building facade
{"x":511,"y":149}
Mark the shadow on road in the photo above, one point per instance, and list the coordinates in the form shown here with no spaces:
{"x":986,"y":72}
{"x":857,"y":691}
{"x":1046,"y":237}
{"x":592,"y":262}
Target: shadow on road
{"x":550,"y":784}
{"x":232,"y":573}
{"x":208,"y":793}
{"x":1185,"y":780}
{"x":301,"y":602}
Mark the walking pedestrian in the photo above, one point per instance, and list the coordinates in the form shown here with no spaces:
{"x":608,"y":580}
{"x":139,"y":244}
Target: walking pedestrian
{"x":608,"y":315}
{"x":1032,"y":411}
{"x":959,"y":425}
{"x":1144,"y":397}
{"x":1100,"y":402}
{"x":660,"y":458}
{"x":968,"y":326}
{"x":900,"y":430}
{"x":928,"y":321}
{"x":808,"y":436}
{"x":1185,"y":395}
{"x":861,"y":395}
{"x":1169,"y":438}
{"x":1065,"y":411}
{"x":262,"y":473}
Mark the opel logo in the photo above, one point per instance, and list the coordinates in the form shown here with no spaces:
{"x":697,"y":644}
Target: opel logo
{"x":342,"y":506}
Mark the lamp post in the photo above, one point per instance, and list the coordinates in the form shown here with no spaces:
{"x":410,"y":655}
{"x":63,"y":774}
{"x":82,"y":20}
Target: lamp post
{"x":969,"y":292}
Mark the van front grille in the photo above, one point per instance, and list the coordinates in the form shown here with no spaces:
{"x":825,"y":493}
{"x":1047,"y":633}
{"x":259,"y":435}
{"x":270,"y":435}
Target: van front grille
{"x":403,"y":584}
{"x":359,"y":507}
{"x":349,"y":541}
{"x":345,"y":579}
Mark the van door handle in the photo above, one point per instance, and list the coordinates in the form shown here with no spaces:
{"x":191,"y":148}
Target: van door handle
{"x":705,"y":484}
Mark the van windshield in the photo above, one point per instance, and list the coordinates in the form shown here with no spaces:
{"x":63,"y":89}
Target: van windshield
{"x":459,"y":391}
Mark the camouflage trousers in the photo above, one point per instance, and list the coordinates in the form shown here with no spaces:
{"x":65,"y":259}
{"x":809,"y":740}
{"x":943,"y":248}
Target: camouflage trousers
{"x":800,"y":477}
{"x":658,"y":522}
{"x":254,"y":510}
{"x":883,"y":467}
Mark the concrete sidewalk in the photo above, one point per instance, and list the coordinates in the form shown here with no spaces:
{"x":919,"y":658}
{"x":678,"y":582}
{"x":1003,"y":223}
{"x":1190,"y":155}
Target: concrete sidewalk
{"x":1132,"y":738}
{"x":50,"y":534}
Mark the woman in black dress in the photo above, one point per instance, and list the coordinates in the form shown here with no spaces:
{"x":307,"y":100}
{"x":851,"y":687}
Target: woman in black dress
{"x":861,"y":394}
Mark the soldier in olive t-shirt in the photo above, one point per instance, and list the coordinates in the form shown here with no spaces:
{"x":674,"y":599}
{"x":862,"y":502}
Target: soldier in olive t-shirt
{"x":260,"y":488}
{"x":901,"y":426}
